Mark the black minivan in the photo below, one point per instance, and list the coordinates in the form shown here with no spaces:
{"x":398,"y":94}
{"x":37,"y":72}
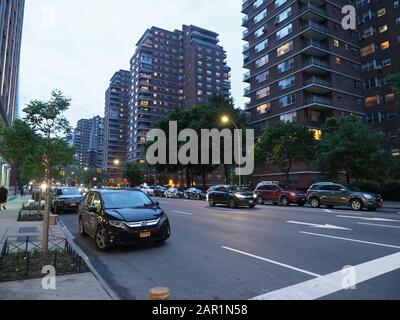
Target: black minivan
{"x":122,"y":217}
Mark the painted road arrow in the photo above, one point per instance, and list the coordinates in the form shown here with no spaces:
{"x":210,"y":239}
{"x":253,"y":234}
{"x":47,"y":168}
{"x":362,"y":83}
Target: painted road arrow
{"x":369,"y":219}
{"x":319,"y":226}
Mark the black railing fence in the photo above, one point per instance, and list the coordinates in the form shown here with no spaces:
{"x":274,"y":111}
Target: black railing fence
{"x":21,"y":258}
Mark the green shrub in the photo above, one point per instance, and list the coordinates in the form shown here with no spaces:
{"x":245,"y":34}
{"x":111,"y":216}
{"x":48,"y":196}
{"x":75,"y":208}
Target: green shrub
{"x":389,"y":189}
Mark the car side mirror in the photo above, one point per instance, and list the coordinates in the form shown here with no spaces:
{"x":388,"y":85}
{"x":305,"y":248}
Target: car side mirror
{"x":343,"y":190}
{"x":157,"y":204}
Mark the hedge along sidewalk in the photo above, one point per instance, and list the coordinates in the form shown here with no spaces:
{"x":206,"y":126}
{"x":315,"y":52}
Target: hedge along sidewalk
{"x":82,"y":286}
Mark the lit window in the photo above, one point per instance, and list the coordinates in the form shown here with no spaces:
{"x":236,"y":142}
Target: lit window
{"x":381,"y":12}
{"x":262,"y":93}
{"x":336,"y":43}
{"x":317,"y":133}
{"x":383,"y":29}
{"x":264,"y":108}
{"x":285,"y":48}
{"x":390,"y":97}
{"x":385,"y":45}
{"x":372,"y":101}
{"x":367,"y":50}
{"x":289,"y":117}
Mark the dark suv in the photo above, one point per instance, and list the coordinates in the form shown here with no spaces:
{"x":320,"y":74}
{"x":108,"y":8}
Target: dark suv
{"x":332,"y":194}
{"x":232,"y":196}
{"x":277,"y":193}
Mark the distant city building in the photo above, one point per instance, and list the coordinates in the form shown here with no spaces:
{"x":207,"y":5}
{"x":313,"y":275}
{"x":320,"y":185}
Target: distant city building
{"x":304,"y":67}
{"x":11,"y":21}
{"x":172,"y":69}
{"x":88,"y":143}
{"x":116,"y":125}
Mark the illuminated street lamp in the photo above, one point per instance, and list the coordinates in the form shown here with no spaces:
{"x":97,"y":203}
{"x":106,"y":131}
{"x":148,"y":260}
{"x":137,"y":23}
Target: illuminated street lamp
{"x":117,"y":162}
{"x":226,"y":120}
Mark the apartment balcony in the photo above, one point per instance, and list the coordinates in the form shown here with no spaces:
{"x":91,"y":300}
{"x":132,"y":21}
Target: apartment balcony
{"x":317,"y":3}
{"x":245,"y":33}
{"x":317,"y":85}
{"x":245,"y":19}
{"x":312,"y":12}
{"x":246,"y":76}
{"x":316,"y":66}
{"x":314,"y":30}
{"x":247,"y":90}
{"x":246,"y":47}
{"x":145,"y":75}
{"x":318,"y":100}
{"x":315,"y":48}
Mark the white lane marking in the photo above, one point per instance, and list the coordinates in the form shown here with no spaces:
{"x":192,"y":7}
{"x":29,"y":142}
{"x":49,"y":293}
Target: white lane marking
{"x":327,"y":210}
{"x":369,"y":219}
{"x":379,"y":225}
{"x":184,"y":213}
{"x":352,"y":240}
{"x":273,"y":262}
{"x":323,"y":286}
{"x":319,"y":226}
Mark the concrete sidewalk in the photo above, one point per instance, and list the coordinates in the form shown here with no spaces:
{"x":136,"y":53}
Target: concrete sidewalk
{"x":83,"y":286}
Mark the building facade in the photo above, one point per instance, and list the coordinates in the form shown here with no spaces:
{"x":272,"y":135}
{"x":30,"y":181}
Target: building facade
{"x":379,"y":27}
{"x":88,"y":143}
{"x":172,"y":69}
{"x":116,"y":126}
{"x":303,"y":67}
{"x":11,"y":22}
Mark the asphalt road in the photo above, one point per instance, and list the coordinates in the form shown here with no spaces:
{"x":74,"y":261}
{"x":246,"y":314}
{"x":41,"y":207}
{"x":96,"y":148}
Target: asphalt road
{"x":268,"y":252}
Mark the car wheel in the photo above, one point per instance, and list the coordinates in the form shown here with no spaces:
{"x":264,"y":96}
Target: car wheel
{"x":81,"y":228}
{"x":211,"y":203}
{"x":101,"y":239}
{"x":284,"y":201}
{"x":198,"y":197}
{"x":356,"y":205}
{"x":232,"y":204}
{"x":260,"y":200}
{"x":315,"y":203}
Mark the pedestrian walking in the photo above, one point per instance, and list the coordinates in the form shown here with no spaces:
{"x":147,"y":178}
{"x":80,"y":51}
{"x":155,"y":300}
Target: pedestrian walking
{"x":3,"y":198}
{"x":22,"y":191}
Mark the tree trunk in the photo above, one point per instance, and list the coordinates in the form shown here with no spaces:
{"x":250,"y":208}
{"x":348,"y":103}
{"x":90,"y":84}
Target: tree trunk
{"x":204,"y":179}
{"x":226,"y":174}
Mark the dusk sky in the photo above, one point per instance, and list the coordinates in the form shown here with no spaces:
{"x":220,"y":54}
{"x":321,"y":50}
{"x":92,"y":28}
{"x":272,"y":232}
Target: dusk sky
{"x":76,"y":46}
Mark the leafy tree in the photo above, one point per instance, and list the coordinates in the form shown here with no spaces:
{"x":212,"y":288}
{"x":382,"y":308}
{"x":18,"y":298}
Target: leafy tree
{"x":134,"y":172}
{"x":352,"y":148}
{"x":285,"y":144}
{"x":47,"y":120}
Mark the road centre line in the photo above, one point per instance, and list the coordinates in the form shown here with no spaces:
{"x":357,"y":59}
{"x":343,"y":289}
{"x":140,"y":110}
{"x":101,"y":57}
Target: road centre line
{"x":323,"y":286}
{"x":351,"y":240}
{"x":379,"y":225}
{"x":272,"y":262}
{"x":368,"y":219}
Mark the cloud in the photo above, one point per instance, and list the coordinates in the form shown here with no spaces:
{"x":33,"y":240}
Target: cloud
{"x":76,"y":46}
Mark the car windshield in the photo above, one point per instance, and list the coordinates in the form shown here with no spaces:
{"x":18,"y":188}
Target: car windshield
{"x":284,"y":187}
{"x":239,"y":189}
{"x":69,"y":192}
{"x":123,"y":200}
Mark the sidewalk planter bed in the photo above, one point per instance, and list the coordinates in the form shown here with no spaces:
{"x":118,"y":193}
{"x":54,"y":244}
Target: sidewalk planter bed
{"x":22,"y":259}
{"x":29,"y":216}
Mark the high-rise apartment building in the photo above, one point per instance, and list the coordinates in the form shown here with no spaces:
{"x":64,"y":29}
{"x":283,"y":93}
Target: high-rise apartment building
{"x":11,"y":21}
{"x":303,"y":67}
{"x":88,"y":143}
{"x":116,"y":125}
{"x":172,"y":69}
{"x":379,"y":27}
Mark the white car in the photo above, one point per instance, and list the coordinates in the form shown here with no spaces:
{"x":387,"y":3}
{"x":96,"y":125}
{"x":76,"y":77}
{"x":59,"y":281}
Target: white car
{"x":148,"y":190}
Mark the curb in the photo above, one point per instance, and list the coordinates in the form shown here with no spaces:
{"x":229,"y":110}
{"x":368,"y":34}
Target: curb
{"x":79,"y":251}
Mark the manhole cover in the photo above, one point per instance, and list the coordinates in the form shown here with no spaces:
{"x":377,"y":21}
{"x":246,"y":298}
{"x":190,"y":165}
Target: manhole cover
{"x":29,"y":230}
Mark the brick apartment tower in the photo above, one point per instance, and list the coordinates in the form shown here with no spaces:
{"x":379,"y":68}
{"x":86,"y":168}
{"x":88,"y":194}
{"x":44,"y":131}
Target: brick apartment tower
{"x":303,"y":67}
{"x":172,"y":69}
{"x":116,"y":125}
{"x":11,"y":22}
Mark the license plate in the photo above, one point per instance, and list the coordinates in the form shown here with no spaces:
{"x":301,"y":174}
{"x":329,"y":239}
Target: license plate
{"x":251,"y":201}
{"x":73,"y":205}
{"x":145,"y":235}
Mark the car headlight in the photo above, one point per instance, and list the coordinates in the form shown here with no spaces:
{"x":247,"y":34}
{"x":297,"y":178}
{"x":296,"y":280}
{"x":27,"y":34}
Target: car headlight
{"x":368,"y":196}
{"x":240,"y":196}
{"x":293,"y":194}
{"x":255,"y":196}
{"x":117,"y":224}
{"x":163,"y":218}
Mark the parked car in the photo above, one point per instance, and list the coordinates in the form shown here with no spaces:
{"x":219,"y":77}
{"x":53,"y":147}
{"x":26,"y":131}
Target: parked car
{"x":175,"y":193}
{"x":232,"y":196}
{"x":122,"y":217}
{"x":332,"y":194}
{"x":277,"y":193}
{"x":160,"y":191}
{"x":65,"y":199}
{"x":149,"y":190}
{"x":195,"y":194}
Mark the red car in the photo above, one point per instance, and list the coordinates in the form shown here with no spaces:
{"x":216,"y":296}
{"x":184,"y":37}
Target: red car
{"x":276,"y":193}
